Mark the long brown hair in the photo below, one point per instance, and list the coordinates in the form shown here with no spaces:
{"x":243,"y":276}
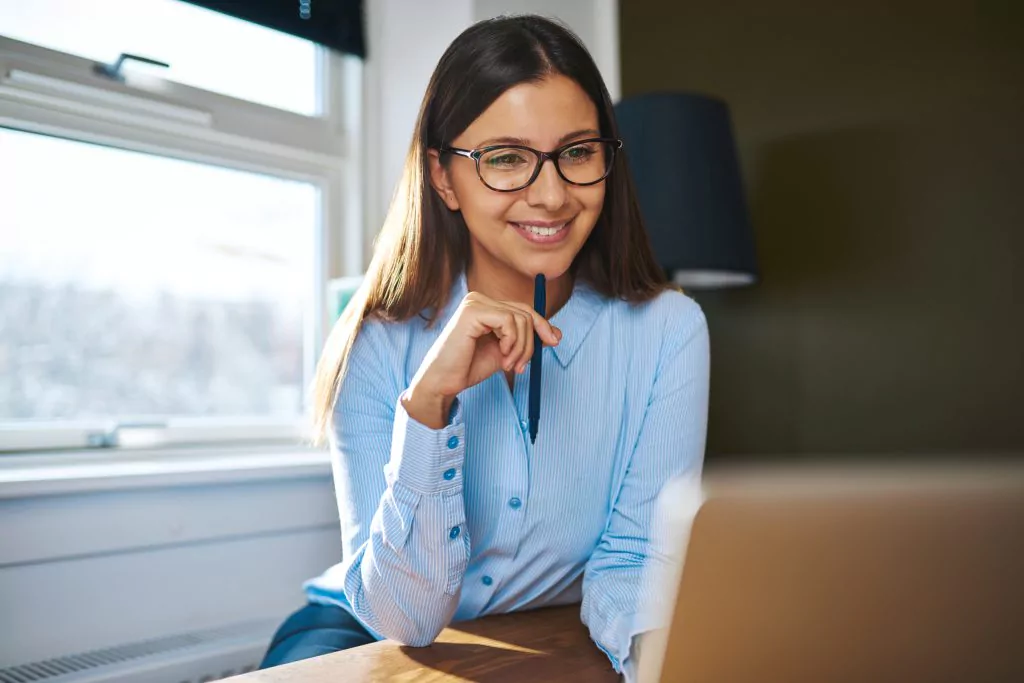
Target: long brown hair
{"x":423,"y":246}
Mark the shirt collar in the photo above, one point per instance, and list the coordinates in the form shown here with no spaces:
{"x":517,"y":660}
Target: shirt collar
{"x":576,"y":318}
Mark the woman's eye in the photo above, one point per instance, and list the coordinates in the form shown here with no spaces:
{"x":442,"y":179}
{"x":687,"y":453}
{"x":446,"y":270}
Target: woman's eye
{"x":577,"y":154}
{"x":506,"y":160}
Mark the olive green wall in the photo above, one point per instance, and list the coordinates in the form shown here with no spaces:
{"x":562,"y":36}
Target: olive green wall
{"x":883,"y":156}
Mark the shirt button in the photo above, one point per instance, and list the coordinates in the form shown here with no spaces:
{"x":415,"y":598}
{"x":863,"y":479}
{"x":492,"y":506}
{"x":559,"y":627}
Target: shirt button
{"x":453,"y":442}
{"x":487,"y":580}
{"x":454,"y":533}
{"x":515,"y":503}
{"x":449,"y":474}
{"x":524,"y":424}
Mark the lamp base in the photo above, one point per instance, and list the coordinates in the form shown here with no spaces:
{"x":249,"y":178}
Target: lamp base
{"x":712,"y":279}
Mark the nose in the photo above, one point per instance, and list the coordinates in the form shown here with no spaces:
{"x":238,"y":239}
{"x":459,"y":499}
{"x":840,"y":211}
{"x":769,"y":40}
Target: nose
{"x":549,"y":190}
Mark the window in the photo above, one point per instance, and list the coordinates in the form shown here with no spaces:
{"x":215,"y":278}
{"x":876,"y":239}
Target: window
{"x":165,"y":241}
{"x":154,"y":286}
{"x":203,"y":48}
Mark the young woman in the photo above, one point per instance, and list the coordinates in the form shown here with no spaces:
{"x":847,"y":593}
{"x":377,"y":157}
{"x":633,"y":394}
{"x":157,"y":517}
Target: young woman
{"x":448,"y":511}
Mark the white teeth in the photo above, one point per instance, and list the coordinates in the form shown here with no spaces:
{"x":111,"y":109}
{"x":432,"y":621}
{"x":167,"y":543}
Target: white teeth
{"x":538,"y":230}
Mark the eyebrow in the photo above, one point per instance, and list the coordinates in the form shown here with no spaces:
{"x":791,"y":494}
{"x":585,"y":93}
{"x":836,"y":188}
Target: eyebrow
{"x":589,"y":132}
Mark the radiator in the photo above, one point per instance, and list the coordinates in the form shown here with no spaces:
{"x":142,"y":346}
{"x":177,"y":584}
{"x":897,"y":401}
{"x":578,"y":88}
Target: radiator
{"x":193,"y":657}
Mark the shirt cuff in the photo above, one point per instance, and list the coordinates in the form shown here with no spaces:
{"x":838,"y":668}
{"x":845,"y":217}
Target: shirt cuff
{"x":425,"y":460}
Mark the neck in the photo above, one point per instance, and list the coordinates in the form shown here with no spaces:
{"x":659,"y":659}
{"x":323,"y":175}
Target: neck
{"x":508,"y":285}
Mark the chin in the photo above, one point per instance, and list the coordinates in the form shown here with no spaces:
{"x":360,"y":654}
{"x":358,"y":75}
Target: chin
{"x":552,"y":268}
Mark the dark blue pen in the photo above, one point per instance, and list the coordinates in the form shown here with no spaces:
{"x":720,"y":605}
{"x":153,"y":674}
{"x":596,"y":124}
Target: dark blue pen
{"x":539,"y":304}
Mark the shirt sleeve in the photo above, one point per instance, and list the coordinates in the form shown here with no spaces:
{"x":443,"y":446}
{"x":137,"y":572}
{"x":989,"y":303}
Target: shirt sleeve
{"x":400,"y":498}
{"x":670,"y":446}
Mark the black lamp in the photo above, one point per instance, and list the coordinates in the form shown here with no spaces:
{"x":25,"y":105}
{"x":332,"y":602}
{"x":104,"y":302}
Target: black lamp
{"x":683,"y":160}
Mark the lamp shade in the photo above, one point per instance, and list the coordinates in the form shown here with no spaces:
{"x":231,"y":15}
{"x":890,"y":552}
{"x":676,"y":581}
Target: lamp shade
{"x":683,"y":160}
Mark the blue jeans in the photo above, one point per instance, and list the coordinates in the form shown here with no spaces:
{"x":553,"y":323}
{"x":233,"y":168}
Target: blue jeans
{"x":314,"y":630}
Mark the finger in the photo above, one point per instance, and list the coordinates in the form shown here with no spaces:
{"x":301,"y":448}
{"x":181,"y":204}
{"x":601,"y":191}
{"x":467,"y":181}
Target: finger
{"x":499,"y":321}
{"x":524,"y":345}
{"x":510,"y":352}
{"x":510,"y":335}
{"x":506,"y":342}
{"x":529,"y":346}
{"x":523,"y":330}
{"x":549,"y":334}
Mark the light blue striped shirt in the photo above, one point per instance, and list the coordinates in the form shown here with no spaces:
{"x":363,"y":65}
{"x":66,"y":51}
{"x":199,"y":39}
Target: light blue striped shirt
{"x":469,"y":520}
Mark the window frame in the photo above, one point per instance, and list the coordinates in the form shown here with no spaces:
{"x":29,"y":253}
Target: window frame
{"x":54,"y":93}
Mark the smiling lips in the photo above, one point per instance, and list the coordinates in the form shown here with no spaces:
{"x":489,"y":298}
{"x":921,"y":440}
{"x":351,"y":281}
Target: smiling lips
{"x":543,"y":232}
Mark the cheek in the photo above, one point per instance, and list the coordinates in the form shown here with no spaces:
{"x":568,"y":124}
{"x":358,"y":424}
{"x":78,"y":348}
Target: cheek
{"x":591,"y":202}
{"x":482,"y":208}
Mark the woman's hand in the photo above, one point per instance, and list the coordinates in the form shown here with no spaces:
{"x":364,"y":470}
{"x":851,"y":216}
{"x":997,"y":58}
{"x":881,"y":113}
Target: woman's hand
{"x":482,"y":337}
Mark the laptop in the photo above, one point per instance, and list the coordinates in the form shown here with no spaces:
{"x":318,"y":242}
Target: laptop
{"x":846,"y":573}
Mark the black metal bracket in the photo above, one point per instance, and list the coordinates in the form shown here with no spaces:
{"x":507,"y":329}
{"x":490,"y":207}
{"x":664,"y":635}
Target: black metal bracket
{"x":113,"y":71}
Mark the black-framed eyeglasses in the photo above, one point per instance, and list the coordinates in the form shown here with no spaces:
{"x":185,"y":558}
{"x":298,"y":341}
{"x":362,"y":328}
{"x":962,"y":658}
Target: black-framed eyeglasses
{"x":509,"y":168}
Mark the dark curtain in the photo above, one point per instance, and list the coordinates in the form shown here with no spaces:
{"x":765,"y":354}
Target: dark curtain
{"x":337,"y":24}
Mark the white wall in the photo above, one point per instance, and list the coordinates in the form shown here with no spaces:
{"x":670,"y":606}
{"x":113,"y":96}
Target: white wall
{"x":89,"y":570}
{"x":596,"y":22}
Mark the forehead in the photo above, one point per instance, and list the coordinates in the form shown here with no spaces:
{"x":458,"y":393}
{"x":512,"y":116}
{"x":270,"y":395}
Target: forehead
{"x":539,"y":114}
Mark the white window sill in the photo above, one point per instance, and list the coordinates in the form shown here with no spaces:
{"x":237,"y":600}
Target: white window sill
{"x":46,"y":474}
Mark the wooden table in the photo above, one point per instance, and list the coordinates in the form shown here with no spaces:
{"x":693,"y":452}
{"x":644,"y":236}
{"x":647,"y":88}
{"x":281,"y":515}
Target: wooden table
{"x":537,"y":646}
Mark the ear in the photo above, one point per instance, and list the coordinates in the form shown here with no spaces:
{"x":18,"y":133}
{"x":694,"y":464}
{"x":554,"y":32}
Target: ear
{"x":441,"y":181}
